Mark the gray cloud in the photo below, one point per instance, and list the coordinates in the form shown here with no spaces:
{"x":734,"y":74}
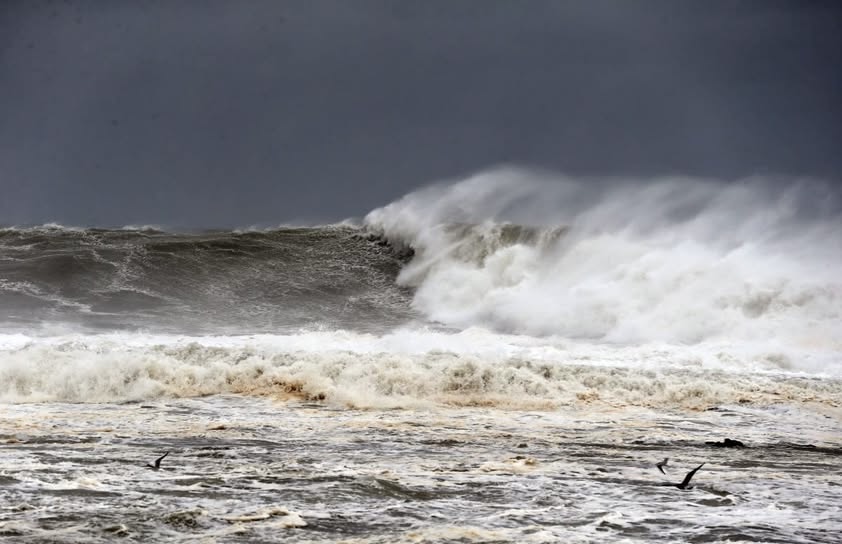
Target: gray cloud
{"x":233,"y":113}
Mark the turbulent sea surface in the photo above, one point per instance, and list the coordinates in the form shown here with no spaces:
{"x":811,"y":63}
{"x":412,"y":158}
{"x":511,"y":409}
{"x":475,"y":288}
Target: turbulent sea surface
{"x":502,"y":359}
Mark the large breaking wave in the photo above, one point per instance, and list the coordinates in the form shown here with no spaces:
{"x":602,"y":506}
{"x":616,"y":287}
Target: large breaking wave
{"x":678,"y":260}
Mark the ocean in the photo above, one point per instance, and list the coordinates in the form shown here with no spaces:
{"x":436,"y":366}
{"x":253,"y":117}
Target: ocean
{"x":499,"y":359}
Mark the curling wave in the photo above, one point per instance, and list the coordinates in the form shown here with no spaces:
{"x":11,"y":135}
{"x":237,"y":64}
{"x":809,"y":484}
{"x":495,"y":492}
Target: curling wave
{"x":677,"y":260}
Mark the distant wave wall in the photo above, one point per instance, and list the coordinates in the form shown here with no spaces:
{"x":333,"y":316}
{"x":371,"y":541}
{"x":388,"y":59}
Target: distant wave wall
{"x":54,"y":277}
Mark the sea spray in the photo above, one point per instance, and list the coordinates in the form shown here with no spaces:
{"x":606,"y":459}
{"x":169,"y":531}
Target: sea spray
{"x":676,"y":259}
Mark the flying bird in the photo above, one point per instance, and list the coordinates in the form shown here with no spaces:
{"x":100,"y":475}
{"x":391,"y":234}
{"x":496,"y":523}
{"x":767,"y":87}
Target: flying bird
{"x":157,"y":463}
{"x":662,"y":464}
{"x":686,"y":483}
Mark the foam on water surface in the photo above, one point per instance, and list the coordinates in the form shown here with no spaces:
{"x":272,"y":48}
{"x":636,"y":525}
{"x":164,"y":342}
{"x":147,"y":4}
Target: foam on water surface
{"x":241,"y":469}
{"x":411,"y":368}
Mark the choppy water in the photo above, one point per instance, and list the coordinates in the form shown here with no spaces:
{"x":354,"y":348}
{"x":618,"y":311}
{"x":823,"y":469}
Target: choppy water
{"x":255,"y":470}
{"x":504,"y":359}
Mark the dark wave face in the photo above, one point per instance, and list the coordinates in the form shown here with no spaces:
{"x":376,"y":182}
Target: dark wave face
{"x":268,"y":281}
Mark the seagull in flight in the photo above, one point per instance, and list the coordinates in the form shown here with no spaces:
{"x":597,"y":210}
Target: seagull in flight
{"x":662,"y":464}
{"x":686,"y":483}
{"x":156,"y":465}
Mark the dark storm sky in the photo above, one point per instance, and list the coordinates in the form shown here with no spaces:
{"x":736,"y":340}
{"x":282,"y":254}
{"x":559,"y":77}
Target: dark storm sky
{"x":233,"y":113}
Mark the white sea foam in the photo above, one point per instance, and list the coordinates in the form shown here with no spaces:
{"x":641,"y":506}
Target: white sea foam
{"x":409,"y":368}
{"x":676,"y":260}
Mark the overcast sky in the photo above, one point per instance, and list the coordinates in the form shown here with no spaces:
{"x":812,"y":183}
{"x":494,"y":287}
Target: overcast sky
{"x":234,"y":113}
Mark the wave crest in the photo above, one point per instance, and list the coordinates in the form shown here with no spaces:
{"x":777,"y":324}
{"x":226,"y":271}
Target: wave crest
{"x":677,"y":260}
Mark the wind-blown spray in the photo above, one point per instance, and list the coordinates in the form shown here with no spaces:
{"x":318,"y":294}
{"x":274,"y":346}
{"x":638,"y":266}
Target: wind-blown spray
{"x":677,"y":259}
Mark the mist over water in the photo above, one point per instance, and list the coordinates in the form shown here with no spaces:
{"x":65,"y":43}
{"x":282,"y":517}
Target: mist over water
{"x":676,"y":259}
